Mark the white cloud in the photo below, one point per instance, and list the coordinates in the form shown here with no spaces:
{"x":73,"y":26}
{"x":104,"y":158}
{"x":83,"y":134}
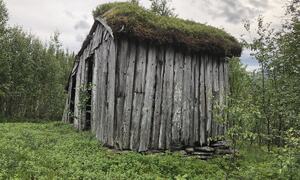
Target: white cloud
{"x":73,"y":18}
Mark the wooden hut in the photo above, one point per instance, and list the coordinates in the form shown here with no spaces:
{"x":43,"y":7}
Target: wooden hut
{"x":145,"y":82}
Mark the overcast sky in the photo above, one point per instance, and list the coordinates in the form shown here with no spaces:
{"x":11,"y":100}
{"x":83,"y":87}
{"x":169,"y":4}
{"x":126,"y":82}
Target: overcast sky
{"x":73,"y":18}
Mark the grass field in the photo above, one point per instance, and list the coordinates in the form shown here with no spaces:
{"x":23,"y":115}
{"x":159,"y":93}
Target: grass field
{"x":53,"y":150}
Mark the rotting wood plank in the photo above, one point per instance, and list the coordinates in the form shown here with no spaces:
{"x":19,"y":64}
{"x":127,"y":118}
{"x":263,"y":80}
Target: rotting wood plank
{"x":95,"y":85}
{"x":139,"y":91}
{"x":111,"y":92}
{"x":77,"y":111}
{"x":197,"y":107}
{"x":158,"y":97}
{"x":122,"y":64}
{"x":148,"y":101}
{"x":192,"y":101}
{"x":103,"y":71}
{"x":221,"y":92}
{"x":208,"y":94}
{"x":226,"y":85}
{"x":178,"y":87}
{"x":166,"y":120}
{"x":186,"y":110}
{"x":129,"y":79}
{"x":202,"y":133}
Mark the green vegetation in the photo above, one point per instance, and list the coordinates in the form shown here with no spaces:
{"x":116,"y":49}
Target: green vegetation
{"x":54,"y":150}
{"x":263,"y":107}
{"x":145,"y":24}
{"x":32,"y":75}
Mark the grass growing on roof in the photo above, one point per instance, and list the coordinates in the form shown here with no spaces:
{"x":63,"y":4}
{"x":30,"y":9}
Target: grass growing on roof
{"x":146,"y":25}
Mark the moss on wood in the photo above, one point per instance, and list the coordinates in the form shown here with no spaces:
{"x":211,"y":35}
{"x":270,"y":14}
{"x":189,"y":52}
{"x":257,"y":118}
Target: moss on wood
{"x":134,"y":21}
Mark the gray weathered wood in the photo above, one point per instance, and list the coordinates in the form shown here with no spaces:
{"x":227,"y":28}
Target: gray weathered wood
{"x":186,"y":109}
{"x":197,"y":107}
{"x":166,"y":126}
{"x":129,"y":79}
{"x":138,"y":99}
{"x":158,"y":97}
{"x":178,"y":88}
{"x":208,"y":94}
{"x":111,"y":92}
{"x":147,"y":116}
{"x":202,"y":102}
{"x":221,"y":92}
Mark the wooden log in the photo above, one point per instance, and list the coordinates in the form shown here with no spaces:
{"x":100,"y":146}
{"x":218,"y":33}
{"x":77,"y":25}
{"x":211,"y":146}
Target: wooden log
{"x":202,"y":133}
{"x":111,"y":60}
{"x":131,"y":57}
{"x":148,"y":101}
{"x":178,"y":92}
{"x":138,"y":99}
{"x":165,"y":126}
{"x":158,"y":97}
{"x":186,"y":109}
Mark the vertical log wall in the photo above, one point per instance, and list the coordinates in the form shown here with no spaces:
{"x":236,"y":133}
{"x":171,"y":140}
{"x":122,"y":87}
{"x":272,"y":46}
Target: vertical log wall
{"x":148,"y":97}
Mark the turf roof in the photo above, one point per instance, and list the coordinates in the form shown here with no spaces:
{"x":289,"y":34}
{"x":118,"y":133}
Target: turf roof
{"x":134,"y":21}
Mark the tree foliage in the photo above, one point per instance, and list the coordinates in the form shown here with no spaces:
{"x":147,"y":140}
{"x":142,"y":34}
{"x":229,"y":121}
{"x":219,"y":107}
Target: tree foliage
{"x":162,"y":8}
{"x":32,"y":75}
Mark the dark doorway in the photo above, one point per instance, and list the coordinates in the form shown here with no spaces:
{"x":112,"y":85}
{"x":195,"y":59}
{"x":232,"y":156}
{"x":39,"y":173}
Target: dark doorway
{"x":89,"y":76}
{"x":72,"y":101}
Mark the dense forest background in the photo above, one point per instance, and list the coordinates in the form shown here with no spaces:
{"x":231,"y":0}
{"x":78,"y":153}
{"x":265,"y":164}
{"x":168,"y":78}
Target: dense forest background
{"x":32,"y":74}
{"x":263,"y":106}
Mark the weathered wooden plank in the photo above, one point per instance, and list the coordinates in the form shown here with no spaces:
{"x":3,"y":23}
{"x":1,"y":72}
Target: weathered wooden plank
{"x":186,"y":109}
{"x":226,"y":85}
{"x":166,"y":127}
{"x":138,"y":99}
{"x":221,"y":92}
{"x":122,"y":65}
{"x":158,"y":97}
{"x":202,"y":112}
{"x":95,"y":115}
{"x":178,"y":88}
{"x":97,"y":40}
{"x":147,"y":117}
{"x":208,"y":85}
{"x":215,"y":98}
{"x":78,"y":109}
{"x":197,"y":107}
{"x":111,"y":59}
{"x":102,"y":81}
{"x":192,"y":136}
{"x":129,"y":76}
